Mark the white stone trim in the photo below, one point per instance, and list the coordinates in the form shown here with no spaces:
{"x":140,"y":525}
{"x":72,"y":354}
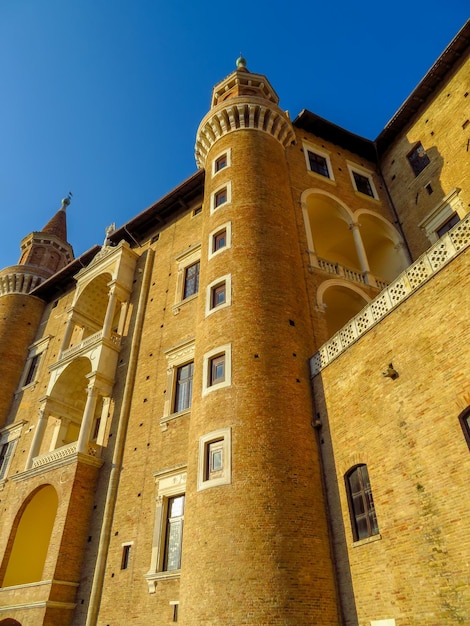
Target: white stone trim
{"x":449,"y":205}
{"x":176,"y":356}
{"x":228,"y":186}
{"x":224,"y":435}
{"x":359,"y":169}
{"x":206,"y":386}
{"x":227,"y":279}
{"x":228,"y":153}
{"x":310,"y":147}
{"x":228,"y":239}
{"x":170,"y":483}
{"x":184,"y":259}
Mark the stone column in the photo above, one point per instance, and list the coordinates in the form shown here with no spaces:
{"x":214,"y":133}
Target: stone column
{"x":37,"y":438}
{"x":361,"y":254}
{"x":87,"y":420}
{"x":108,"y":320}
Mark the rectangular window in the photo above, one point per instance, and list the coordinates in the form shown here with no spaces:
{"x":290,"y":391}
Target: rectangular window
{"x":215,"y":459}
{"x":184,"y":387}
{"x":219,"y":240}
{"x":318,"y":164}
{"x":33,"y":368}
{"x":220,"y":163}
{"x":220,"y":197}
{"x":6,"y":450}
{"x":174,"y":534}
{"x":361,"y":504}
{"x":363,"y":184}
{"x":452,"y":221}
{"x":191,"y":280}
{"x":418,"y":159}
{"x":218,"y":295}
{"x":217,"y":370}
{"x":126,"y":555}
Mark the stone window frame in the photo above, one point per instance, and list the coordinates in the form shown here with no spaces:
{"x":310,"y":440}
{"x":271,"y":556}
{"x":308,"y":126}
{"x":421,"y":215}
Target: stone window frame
{"x":9,"y":437}
{"x":176,"y":356}
{"x":227,"y":226}
{"x":34,"y":360}
{"x":366,"y":173}
{"x":228,"y":188}
{"x":443,"y":211}
{"x":207,"y":386}
{"x":170,"y":483}
{"x":227,"y":280}
{"x":184,"y":260}
{"x":228,"y":154}
{"x":309,"y":147}
{"x":224,"y":477}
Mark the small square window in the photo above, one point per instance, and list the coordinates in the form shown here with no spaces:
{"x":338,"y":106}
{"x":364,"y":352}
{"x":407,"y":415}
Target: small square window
{"x":363,"y":184}
{"x":191,"y":280}
{"x":218,"y":295}
{"x":197,"y":211}
{"x":318,"y":164}
{"x":215,"y":458}
{"x":418,"y":159}
{"x":219,"y":240}
{"x":220,"y":197}
{"x":217,"y":370}
{"x":220,"y":163}
{"x":214,"y":462}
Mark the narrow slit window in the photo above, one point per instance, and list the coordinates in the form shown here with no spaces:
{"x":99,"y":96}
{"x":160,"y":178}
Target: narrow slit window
{"x":126,"y":555}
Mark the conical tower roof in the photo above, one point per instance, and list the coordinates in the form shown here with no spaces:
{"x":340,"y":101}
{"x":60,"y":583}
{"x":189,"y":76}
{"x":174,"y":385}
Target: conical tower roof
{"x":57,"y":225}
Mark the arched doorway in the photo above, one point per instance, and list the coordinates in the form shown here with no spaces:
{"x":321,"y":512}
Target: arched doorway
{"x":32,"y":537}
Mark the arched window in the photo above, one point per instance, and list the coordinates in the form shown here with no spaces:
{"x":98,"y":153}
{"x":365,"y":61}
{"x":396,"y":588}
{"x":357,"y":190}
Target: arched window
{"x":464,"y":418}
{"x":361,"y":504}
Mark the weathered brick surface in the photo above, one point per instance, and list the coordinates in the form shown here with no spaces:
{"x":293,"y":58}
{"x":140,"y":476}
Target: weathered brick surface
{"x":408,"y":433}
{"x":441,"y":128}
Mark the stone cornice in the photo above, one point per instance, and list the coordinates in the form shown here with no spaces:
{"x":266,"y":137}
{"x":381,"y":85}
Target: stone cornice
{"x":239,"y":114}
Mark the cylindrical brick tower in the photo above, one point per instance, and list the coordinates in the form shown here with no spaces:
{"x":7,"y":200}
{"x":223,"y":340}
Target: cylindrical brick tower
{"x":42,"y":254}
{"x":255,"y":547}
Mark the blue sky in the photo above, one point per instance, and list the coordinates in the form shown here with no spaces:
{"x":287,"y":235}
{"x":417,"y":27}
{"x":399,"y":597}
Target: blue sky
{"x":104,"y":98}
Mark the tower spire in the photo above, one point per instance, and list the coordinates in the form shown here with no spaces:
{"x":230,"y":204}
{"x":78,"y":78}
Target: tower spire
{"x":57,"y":225}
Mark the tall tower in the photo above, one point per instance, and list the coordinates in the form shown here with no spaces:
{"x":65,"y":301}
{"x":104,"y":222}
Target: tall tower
{"x":43,"y":253}
{"x":256,"y":547}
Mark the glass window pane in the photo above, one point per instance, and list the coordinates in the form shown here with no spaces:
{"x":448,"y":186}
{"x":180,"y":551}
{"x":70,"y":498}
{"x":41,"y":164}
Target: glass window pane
{"x":191,"y":280}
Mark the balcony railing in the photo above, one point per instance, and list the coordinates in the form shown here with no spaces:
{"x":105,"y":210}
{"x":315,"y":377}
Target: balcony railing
{"x":88,"y":342}
{"x":439,"y":255}
{"x":63,"y":452}
{"x":348,"y":273}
